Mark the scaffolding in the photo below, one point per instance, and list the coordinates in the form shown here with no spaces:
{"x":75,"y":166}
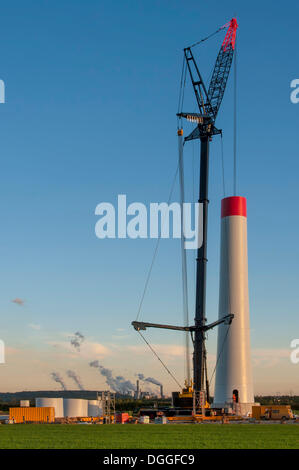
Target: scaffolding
{"x":108,"y":404}
{"x":199,"y":402}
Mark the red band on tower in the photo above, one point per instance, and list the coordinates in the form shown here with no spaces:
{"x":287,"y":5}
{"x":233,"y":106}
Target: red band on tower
{"x":234,"y":205}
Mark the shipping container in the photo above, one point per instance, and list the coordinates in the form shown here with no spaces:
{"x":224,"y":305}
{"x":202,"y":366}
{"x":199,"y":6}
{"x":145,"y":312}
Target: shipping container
{"x":122,"y":418}
{"x":26,"y":415}
{"x":144,"y":420}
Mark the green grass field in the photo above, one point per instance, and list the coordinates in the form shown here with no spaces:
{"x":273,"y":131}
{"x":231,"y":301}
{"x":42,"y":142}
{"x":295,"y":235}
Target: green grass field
{"x":201,"y":436}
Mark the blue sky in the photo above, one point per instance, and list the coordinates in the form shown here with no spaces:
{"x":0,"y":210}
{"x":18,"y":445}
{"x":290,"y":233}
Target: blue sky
{"x":91,"y":97}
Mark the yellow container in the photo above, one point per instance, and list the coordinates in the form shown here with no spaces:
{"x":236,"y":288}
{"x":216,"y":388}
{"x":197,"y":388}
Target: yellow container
{"x":40,"y":415}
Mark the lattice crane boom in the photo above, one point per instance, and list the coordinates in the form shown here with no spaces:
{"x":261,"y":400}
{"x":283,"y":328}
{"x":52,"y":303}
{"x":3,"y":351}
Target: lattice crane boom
{"x":222,"y":68}
{"x":209,"y":101}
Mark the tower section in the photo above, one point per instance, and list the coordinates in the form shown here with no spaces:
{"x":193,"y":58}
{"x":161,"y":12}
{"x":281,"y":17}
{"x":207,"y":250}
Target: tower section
{"x":233,"y":386}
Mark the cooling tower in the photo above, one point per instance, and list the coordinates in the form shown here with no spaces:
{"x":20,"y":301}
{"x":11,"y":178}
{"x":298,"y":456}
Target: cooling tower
{"x":233,"y":386}
{"x":56,"y":403}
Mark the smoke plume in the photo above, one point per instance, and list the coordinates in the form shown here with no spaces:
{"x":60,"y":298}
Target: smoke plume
{"x":77,"y":340}
{"x":117,"y":384}
{"x":18,"y":301}
{"x":76,"y":379}
{"x":57,"y":378}
{"x":149,"y":379}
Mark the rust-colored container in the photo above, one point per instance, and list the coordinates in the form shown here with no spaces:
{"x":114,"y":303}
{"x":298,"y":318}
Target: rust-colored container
{"x":122,"y":418}
{"x":39,"y":415}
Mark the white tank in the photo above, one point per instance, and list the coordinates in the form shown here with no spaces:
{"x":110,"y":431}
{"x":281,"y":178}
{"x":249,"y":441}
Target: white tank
{"x":56,"y":403}
{"x":75,"y":407}
{"x":95,"y":408}
{"x":233,"y":385}
{"x":24,"y":403}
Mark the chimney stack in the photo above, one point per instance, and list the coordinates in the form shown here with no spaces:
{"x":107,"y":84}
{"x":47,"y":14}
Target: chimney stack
{"x":137,"y":393}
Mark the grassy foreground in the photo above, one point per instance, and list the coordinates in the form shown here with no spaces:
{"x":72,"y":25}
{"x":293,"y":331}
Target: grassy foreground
{"x":206,"y":436}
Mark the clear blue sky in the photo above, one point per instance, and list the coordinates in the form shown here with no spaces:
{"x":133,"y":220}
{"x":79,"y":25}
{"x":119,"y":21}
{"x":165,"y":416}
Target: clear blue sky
{"x":91,"y":96}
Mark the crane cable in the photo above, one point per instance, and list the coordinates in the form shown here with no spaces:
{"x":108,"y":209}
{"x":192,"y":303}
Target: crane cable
{"x":222,"y":165}
{"x":219,"y":355}
{"x":180,"y":104}
{"x":208,"y":37}
{"x":184,"y":258}
{"x":182,"y":92}
{"x":163,"y":364}
{"x":235,"y":120}
{"x":147,"y":282}
{"x":155,"y":250}
{"x":182,"y":201}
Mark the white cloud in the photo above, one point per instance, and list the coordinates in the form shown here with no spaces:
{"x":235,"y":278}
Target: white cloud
{"x":34,"y":326}
{"x":172,"y":350}
{"x":120,"y":336}
{"x":263,"y":357}
{"x":88,"y":350}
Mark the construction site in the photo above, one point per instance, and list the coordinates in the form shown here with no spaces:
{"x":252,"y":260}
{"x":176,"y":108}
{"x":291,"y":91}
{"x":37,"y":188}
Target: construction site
{"x":174,"y":319}
{"x":233,"y":399}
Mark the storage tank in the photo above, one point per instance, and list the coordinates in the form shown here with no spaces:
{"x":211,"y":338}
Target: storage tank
{"x":24,"y":403}
{"x":75,"y":407}
{"x":95,"y":408}
{"x":56,"y":403}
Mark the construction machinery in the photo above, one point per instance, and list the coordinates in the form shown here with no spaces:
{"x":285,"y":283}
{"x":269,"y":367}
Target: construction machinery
{"x":272,"y":412}
{"x":196,"y":393}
